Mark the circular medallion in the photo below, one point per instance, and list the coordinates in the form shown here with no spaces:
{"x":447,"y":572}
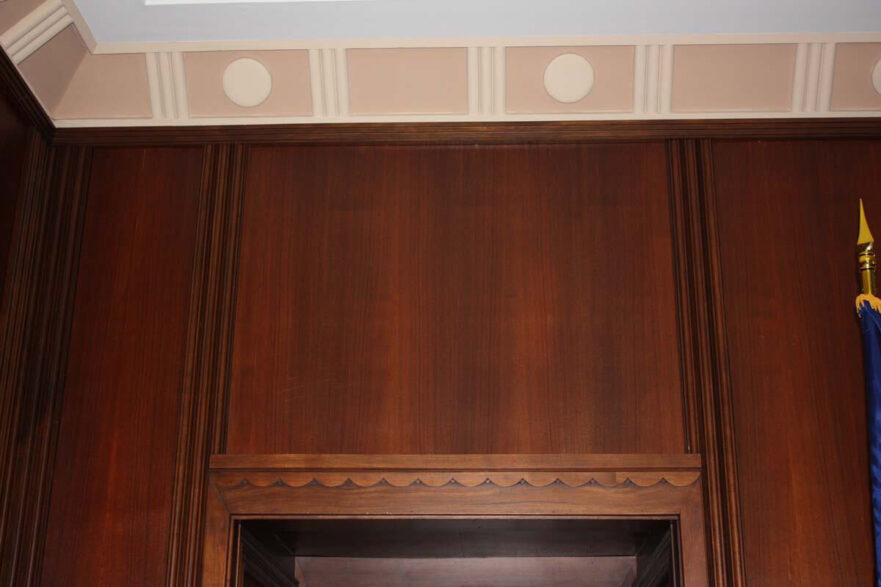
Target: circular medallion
{"x":569,"y":78}
{"x":247,"y":82}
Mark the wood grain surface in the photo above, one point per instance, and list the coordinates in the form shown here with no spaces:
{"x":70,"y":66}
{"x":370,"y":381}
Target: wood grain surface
{"x":110,"y":506}
{"x":787,"y":214}
{"x":456,"y":300}
{"x":13,"y":138}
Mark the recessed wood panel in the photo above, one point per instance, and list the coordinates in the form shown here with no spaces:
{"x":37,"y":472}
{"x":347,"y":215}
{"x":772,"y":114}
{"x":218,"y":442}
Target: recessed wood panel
{"x":112,"y":487}
{"x":456,"y":300}
{"x":787,"y":223}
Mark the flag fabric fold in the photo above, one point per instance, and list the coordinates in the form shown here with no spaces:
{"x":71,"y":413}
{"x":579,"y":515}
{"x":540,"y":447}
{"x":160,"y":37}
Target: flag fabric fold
{"x":869,"y":309}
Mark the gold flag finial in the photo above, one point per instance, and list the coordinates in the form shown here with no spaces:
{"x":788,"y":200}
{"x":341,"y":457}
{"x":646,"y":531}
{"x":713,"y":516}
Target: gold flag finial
{"x":865,"y":233}
{"x":866,"y":257}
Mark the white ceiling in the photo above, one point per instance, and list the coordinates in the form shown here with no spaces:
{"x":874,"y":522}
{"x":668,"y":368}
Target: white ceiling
{"x":133,"y":21}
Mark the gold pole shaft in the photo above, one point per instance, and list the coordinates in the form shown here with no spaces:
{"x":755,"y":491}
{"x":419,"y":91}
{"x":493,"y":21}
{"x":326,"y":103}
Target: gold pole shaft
{"x":866,"y":268}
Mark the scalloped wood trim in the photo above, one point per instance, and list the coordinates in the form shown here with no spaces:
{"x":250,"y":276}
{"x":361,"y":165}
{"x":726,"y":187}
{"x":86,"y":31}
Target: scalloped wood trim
{"x":499,"y":479}
{"x":364,"y":490}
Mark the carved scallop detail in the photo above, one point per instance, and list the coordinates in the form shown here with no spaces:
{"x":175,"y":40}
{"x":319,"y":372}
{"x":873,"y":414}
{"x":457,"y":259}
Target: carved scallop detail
{"x":467,"y":479}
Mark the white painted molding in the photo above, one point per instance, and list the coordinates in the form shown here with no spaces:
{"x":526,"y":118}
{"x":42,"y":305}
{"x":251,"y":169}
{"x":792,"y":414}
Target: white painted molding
{"x":665,"y":81}
{"x":799,"y":75}
{"x":167,"y":86}
{"x":154,"y":83}
{"x":28,"y":23}
{"x":651,"y":100}
{"x":341,"y":68}
{"x":317,"y":86}
{"x":812,"y":78}
{"x":329,"y":83}
{"x":388,"y":43}
{"x":473,"y":81}
{"x":499,"y":81}
{"x":876,"y":76}
{"x":486,"y":81}
{"x":167,"y":81}
{"x":639,"y":78}
{"x":654,"y":58}
{"x":180,"y":86}
{"x":81,"y":26}
{"x":35,"y":30}
{"x":824,"y":82}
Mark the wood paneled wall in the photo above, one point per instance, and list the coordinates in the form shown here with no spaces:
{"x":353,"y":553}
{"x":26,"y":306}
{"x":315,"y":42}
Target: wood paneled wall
{"x":456,"y":300}
{"x":117,"y":443}
{"x":550,"y":288}
{"x":787,"y":225}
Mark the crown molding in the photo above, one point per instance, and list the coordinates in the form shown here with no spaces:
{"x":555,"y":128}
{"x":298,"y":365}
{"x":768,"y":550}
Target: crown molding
{"x":173,"y":88}
{"x":22,"y":99}
{"x":109,"y":48}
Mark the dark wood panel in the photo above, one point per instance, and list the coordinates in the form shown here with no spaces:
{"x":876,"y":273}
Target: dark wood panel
{"x":473,"y":132}
{"x":787,"y":215}
{"x":41,"y":293}
{"x":209,"y":336}
{"x":13,"y":141}
{"x":458,"y":300}
{"x":34,"y":303}
{"x":704,"y":353}
{"x":112,"y":488}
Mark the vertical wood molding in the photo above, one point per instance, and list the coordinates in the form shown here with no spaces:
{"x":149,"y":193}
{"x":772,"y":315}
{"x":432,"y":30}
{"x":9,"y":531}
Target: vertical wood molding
{"x":38,"y":310}
{"x":16,"y":323}
{"x":706,"y":380}
{"x":209,"y":341}
{"x":682,"y":176}
{"x":717,"y":413}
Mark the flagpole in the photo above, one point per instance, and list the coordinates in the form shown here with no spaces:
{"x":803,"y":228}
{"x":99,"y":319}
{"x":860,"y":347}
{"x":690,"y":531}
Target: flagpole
{"x":866,"y":257}
{"x":869,"y":310}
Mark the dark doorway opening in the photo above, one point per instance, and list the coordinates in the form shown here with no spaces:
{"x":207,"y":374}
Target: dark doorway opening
{"x":457,"y":552}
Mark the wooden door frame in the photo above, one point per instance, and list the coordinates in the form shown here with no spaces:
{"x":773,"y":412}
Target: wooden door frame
{"x":453,"y":486}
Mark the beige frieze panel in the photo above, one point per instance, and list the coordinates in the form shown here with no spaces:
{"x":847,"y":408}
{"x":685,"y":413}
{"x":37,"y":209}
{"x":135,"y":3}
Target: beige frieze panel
{"x":733,"y":78}
{"x":82,"y":83}
{"x":248,"y":83}
{"x":570,"y":79}
{"x":856,"y":84}
{"x":407,"y":81}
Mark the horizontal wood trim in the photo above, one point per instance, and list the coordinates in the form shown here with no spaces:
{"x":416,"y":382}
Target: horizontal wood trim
{"x":476,"y":132}
{"x":498,"y":462}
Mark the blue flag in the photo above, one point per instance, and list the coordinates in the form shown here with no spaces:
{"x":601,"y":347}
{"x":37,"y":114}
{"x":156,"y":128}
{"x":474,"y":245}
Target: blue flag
{"x":870,"y":321}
